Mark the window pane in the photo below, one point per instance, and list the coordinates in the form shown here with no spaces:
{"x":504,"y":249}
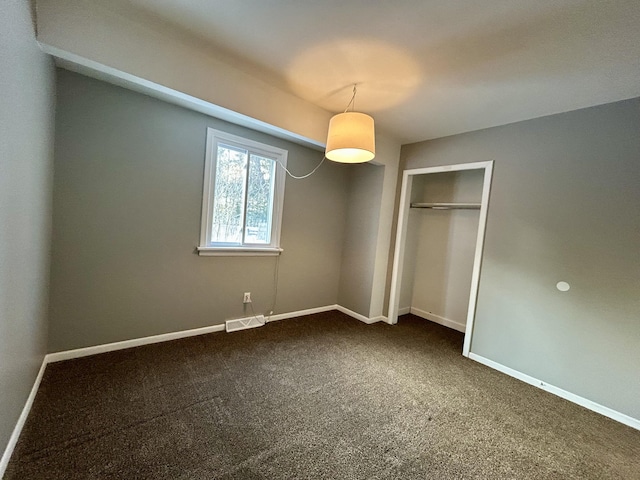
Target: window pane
{"x":228,"y":200}
{"x":260,"y":200}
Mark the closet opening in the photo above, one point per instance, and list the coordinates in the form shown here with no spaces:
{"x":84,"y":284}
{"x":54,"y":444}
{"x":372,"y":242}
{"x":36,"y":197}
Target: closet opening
{"x":439,"y":243}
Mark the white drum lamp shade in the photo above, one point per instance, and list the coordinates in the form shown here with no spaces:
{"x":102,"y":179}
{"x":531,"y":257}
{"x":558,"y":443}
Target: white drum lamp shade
{"x":351,"y":138}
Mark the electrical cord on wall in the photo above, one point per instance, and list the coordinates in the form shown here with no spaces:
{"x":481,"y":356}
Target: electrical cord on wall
{"x":264,"y":322}
{"x":267,"y":318}
{"x":276,"y":272}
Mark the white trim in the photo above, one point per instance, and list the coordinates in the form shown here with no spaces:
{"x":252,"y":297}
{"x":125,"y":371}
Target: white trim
{"x":403,"y":217}
{"x":432,"y":317}
{"x":358,"y":316}
{"x":477,"y":259}
{"x":207,"y":192}
{"x":404,"y":310}
{"x":449,"y":168}
{"x":398,"y":254}
{"x":385,"y":320}
{"x":135,"y":342}
{"x":238,"y":252}
{"x":572,"y":397}
{"x":17,"y":430}
{"x":278,"y":156}
{"x":300,"y":313}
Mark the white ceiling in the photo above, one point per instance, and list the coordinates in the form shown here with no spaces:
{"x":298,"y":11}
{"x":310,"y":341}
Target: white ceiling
{"x":425,"y":68}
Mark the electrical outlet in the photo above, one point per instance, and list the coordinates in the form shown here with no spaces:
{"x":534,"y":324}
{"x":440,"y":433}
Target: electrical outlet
{"x":247,"y":297}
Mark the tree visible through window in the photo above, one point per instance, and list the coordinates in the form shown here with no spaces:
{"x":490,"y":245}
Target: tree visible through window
{"x":245,"y":193}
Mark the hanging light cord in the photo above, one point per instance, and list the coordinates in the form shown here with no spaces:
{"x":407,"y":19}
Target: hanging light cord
{"x":352,"y":104}
{"x":302,"y":176}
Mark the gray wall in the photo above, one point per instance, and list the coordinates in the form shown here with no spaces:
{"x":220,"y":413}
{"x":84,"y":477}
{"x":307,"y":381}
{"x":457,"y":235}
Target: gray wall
{"x":564,"y":206}
{"x":361,"y":233}
{"x":26,"y":157}
{"x":126,"y":219}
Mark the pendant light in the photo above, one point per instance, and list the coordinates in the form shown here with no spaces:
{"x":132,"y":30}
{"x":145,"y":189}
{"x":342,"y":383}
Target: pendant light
{"x":351,"y":137}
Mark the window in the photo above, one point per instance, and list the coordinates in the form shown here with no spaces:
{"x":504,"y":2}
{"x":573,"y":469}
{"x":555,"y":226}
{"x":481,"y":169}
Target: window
{"x":242,"y":196}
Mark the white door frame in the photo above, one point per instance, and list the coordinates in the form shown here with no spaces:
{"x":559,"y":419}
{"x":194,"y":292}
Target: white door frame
{"x":403,"y":217}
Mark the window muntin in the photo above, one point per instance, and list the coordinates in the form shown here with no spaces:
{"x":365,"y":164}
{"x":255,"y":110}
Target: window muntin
{"x":243,"y":195}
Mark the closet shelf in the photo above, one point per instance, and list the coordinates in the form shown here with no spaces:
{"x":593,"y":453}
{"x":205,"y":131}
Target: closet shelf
{"x":447,"y":206}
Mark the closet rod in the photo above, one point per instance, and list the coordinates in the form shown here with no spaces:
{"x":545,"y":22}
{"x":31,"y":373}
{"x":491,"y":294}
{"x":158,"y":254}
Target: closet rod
{"x":447,"y":206}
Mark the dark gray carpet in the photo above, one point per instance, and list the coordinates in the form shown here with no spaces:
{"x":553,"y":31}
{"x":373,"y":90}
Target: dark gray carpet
{"x":319,"y":397}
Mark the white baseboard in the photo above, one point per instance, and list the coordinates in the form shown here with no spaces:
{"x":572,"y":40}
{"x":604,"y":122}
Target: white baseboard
{"x":461,"y":327}
{"x":136,"y":342}
{"x":300,"y":313}
{"x":327,"y":308}
{"x":357,"y":316}
{"x":381,"y":318}
{"x":165,"y":337}
{"x":17,"y":430}
{"x":404,"y":310}
{"x":583,"y":402}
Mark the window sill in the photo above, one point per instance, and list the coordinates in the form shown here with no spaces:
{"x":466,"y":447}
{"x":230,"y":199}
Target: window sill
{"x":239,"y":251}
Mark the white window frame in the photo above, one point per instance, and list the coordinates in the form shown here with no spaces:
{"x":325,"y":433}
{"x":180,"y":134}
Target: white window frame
{"x":208,"y":248}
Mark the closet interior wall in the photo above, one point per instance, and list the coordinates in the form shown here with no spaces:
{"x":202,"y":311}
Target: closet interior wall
{"x":440,"y":248}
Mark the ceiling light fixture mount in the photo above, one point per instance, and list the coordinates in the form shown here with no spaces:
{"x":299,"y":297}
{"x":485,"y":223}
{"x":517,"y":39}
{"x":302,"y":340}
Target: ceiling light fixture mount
{"x":351,"y":137}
